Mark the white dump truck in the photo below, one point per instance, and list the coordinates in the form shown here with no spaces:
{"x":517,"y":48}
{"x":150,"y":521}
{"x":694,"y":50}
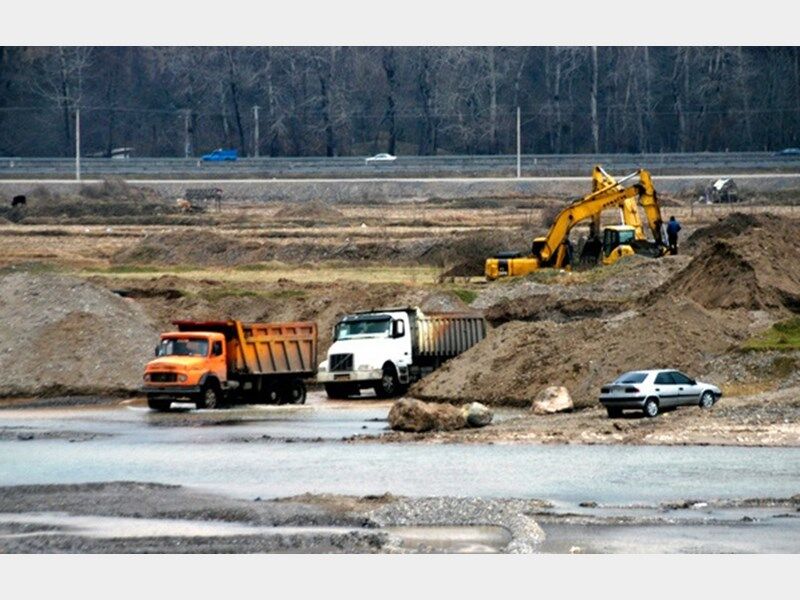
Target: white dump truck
{"x":387,"y":350}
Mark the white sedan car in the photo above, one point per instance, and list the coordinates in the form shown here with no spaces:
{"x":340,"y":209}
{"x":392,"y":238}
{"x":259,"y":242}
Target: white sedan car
{"x":381,"y":158}
{"x":653,"y":390}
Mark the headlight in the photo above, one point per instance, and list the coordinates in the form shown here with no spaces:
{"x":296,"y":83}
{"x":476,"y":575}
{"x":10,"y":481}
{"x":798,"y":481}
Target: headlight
{"x":364,"y":367}
{"x":146,"y":377}
{"x":182,"y":378}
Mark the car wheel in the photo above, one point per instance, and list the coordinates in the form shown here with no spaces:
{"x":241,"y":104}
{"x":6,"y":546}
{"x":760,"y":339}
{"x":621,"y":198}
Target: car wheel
{"x":614,"y":413}
{"x":707,"y":400}
{"x":650,"y":408}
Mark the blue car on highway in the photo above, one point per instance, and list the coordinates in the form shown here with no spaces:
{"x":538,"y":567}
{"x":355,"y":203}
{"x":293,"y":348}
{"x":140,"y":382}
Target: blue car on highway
{"x":220,"y":154}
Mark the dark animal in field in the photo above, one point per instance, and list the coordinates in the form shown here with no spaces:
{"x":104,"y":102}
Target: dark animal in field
{"x":18,"y":201}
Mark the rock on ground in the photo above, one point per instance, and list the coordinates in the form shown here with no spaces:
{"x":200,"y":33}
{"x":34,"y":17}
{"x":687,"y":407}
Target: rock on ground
{"x":478,"y":415}
{"x":551,"y":400}
{"x":413,"y":415}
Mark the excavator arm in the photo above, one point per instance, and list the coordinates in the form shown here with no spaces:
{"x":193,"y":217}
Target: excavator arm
{"x":607,"y":192}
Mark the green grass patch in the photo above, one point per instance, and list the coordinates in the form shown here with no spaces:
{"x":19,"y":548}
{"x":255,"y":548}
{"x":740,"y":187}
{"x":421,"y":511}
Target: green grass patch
{"x":33,"y":268}
{"x":466,"y":296}
{"x":268,"y":266}
{"x":123,"y":269}
{"x":216,"y":294}
{"x":784,"y":335}
{"x":286,"y":294}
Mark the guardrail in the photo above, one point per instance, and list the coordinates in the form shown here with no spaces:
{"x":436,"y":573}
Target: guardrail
{"x":533,"y":165}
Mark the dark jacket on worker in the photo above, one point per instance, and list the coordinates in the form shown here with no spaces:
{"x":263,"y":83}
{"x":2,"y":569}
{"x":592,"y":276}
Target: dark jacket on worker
{"x":673,"y":227}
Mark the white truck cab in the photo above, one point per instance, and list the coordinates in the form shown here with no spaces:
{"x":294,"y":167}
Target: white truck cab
{"x":387,"y":350}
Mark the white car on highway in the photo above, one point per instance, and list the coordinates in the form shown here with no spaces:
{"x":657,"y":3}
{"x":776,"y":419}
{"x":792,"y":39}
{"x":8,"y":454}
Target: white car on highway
{"x":381,"y":158}
{"x":654,"y":390}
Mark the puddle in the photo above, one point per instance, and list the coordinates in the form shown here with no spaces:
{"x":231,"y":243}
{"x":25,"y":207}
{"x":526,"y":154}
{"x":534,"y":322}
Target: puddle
{"x":452,"y":538}
{"x":128,"y":527}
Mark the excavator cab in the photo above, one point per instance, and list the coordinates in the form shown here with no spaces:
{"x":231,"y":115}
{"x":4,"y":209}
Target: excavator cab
{"x":618,"y":241}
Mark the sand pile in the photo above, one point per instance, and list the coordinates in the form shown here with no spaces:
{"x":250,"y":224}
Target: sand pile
{"x":744,"y":261}
{"x":518,"y":359}
{"x":63,"y":335}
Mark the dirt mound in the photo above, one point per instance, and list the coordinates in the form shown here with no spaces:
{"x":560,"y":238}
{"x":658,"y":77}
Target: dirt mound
{"x":731,"y":226}
{"x":596,"y":292}
{"x":64,"y":335}
{"x":93,"y":203}
{"x":465,"y":255}
{"x":519,"y":359}
{"x":186,"y":246}
{"x":194,"y":247}
{"x":744,"y":261}
{"x":317,"y":211}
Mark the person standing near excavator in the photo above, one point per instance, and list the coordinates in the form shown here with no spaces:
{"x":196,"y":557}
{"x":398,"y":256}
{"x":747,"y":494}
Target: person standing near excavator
{"x":673,"y":227}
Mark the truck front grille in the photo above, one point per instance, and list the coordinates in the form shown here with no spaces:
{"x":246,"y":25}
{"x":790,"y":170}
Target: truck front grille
{"x":164,"y":377}
{"x":341,"y":362}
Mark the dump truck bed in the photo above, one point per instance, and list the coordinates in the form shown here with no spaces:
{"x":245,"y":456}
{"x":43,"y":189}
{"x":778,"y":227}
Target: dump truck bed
{"x":445,"y":334}
{"x":265,"y":348}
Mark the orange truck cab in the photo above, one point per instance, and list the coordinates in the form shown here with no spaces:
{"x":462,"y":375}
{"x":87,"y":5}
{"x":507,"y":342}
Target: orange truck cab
{"x":212,"y":363}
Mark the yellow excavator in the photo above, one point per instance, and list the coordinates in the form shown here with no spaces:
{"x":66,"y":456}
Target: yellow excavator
{"x":555,"y":249}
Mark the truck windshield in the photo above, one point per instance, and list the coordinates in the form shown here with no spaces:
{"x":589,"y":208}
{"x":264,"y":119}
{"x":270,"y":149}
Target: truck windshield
{"x":364,"y":328}
{"x":183,"y":347}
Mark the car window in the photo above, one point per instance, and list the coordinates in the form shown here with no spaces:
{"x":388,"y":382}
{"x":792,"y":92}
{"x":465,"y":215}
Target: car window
{"x":664,"y":379}
{"x":680,"y":378}
{"x":632,"y":377}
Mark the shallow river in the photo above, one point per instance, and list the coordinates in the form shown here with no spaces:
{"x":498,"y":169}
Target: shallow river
{"x":225,"y":452}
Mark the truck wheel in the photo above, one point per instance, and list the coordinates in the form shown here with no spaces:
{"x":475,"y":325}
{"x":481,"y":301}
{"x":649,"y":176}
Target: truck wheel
{"x":209,"y":397}
{"x":159,"y":404}
{"x":389,"y":385}
{"x":337,"y":391}
{"x":294,"y":393}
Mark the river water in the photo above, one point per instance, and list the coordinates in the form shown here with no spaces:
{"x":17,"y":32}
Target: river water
{"x":232,"y":457}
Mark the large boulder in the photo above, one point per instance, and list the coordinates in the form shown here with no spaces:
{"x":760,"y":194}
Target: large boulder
{"x":551,"y":400}
{"x":417,"y":416}
{"x":478,"y":415}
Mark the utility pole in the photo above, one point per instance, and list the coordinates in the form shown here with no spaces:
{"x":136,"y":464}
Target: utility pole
{"x":77,"y":144}
{"x":187,"y":138}
{"x":519,"y":143}
{"x":255,"y":131}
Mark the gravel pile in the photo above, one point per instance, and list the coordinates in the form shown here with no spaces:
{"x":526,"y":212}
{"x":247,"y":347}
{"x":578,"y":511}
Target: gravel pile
{"x":63,"y":335}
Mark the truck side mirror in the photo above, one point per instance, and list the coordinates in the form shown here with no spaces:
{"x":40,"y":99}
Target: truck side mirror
{"x":398,"y":329}
{"x":156,"y":350}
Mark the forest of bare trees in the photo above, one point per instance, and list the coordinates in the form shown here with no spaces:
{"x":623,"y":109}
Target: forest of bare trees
{"x":340,"y":101}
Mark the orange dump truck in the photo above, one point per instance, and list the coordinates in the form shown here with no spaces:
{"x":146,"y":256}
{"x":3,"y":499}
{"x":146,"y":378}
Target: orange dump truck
{"x":212,"y":363}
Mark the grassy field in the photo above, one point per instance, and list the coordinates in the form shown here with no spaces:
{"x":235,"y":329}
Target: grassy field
{"x":784,"y":335}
